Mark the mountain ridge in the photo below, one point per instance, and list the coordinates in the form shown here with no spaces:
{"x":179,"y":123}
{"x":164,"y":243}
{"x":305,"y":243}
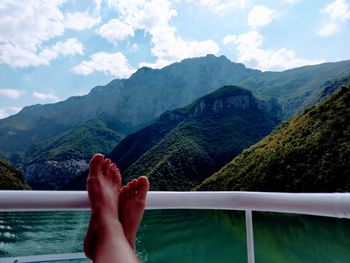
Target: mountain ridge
{"x":137,"y":101}
{"x":309,"y":153}
{"x":185,"y":145}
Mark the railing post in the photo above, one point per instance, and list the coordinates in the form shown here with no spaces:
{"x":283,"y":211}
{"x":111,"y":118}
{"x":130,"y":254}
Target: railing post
{"x":250,"y":235}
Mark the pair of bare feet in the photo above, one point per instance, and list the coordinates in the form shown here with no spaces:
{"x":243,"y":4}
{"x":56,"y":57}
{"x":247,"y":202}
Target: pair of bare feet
{"x":116,"y":212}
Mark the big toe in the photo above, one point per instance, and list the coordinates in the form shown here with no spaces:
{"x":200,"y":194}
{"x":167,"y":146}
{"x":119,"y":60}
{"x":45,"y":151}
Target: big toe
{"x":142,"y":186}
{"x":96,"y":163}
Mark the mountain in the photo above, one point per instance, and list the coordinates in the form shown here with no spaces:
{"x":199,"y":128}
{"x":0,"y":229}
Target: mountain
{"x":295,"y":88}
{"x":56,"y":160}
{"x":133,"y":102}
{"x":186,"y":145}
{"x":309,"y":153}
{"x":11,"y":178}
{"x":137,"y":101}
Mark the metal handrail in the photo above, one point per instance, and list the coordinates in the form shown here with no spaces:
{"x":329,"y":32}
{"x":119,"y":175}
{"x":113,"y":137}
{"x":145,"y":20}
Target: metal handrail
{"x":319,"y":204}
{"x":44,"y":258}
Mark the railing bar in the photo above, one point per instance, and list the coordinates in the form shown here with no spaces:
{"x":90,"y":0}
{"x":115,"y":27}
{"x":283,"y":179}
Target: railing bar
{"x":319,"y":204}
{"x":44,"y":258}
{"x":250,"y":236}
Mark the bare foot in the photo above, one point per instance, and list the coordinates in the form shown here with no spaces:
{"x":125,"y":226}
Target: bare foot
{"x":103,"y":185}
{"x":132,"y":200}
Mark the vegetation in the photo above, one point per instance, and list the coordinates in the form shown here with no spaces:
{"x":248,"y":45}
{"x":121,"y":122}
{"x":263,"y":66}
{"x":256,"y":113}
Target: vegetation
{"x":81,"y":125}
{"x":11,"y":178}
{"x":78,"y":143}
{"x":309,"y":153}
{"x":56,"y":161}
{"x":133,"y":146}
{"x":186,"y":145}
{"x":137,"y":101}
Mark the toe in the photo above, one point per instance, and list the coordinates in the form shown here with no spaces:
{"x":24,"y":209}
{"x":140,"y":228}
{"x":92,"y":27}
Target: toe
{"x":115,"y":175}
{"x":133,"y":186}
{"x":96,"y":164}
{"x":142,"y":186}
{"x":118,"y":177}
{"x":129,"y":190}
{"x":106,"y":166}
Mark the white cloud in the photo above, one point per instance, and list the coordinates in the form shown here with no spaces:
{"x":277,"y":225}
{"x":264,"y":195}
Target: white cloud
{"x":229,"y":39}
{"x":154,"y":18}
{"x":69,"y":47}
{"x":160,"y":63}
{"x":3,"y":113}
{"x":220,"y":6}
{"x":45,"y":96}
{"x":337,"y":13}
{"x":18,"y":57}
{"x":292,"y":2}
{"x":14,"y":110}
{"x":249,"y":51}
{"x":261,"y":16}
{"x":11,"y":93}
{"x":338,"y":9}
{"x":25,"y":26}
{"x":98,"y":5}
{"x":328,"y":28}
{"x":114,"y":64}
{"x":80,"y":20}
{"x":115,"y":30}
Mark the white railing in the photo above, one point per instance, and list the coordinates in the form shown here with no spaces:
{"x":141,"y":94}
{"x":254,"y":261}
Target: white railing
{"x":321,"y":204}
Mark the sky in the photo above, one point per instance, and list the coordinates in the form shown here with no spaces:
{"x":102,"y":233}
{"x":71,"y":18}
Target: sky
{"x":53,"y":49}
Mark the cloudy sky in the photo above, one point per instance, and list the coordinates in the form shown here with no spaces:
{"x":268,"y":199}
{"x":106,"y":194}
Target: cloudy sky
{"x":53,"y":49}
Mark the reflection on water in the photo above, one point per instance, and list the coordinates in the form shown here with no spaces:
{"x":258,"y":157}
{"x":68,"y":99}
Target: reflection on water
{"x":187,"y":236}
{"x":295,"y":239}
{"x":192,"y":236}
{"x":36,"y":233}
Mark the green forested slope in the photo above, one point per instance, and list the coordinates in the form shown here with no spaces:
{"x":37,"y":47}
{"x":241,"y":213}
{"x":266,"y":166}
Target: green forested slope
{"x":56,"y":160}
{"x":80,"y":142}
{"x":136,"y":144}
{"x":187,"y":145}
{"x":11,"y":178}
{"x":309,"y":153}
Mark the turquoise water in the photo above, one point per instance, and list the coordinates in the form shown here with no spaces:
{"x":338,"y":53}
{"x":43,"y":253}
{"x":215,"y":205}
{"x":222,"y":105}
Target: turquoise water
{"x":188,"y":236}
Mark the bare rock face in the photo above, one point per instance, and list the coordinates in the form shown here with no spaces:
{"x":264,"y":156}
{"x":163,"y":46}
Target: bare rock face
{"x":241,"y":101}
{"x":52,"y":174}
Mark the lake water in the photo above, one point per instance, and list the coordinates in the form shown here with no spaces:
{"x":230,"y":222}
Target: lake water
{"x":188,"y":236}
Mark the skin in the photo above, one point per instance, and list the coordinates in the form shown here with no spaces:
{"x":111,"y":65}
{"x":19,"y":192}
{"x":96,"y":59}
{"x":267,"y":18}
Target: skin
{"x":132,"y":201}
{"x":107,"y":239}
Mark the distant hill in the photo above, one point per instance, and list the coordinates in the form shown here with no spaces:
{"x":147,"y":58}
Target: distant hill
{"x":186,"y":145}
{"x":137,"y":101}
{"x":11,"y":178}
{"x":134,"y":102}
{"x":295,"y":88}
{"x":56,"y":160}
{"x":309,"y":153}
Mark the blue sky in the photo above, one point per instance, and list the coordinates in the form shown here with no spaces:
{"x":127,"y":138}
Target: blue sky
{"x":53,"y":49}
